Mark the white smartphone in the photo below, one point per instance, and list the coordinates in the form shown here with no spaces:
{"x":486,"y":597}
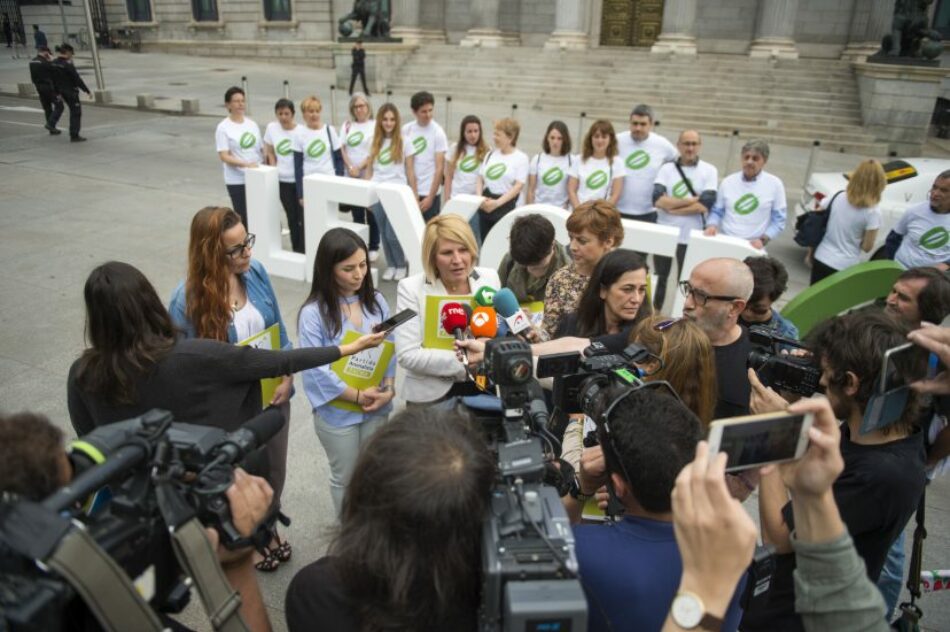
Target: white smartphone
{"x":757,"y":440}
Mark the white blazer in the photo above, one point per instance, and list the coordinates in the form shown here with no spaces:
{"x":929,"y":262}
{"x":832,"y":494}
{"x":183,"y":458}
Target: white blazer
{"x":429,"y":373}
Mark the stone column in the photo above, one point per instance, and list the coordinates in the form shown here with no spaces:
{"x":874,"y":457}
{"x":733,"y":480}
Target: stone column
{"x":867,"y":30}
{"x":570,"y":25}
{"x":775,"y":30}
{"x":406,"y":20}
{"x":484,"y":31}
{"x":678,"y":34}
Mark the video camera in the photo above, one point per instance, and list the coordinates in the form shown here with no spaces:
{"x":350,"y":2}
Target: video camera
{"x":794,"y":374}
{"x":161,"y":475}
{"x":529,"y":568}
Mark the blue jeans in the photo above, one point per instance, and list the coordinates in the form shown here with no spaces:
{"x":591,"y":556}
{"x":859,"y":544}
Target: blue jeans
{"x":391,"y":248}
{"x":360,"y":217}
{"x":476,"y":225}
{"x":434,"y":209}
{"x":891,"y":580}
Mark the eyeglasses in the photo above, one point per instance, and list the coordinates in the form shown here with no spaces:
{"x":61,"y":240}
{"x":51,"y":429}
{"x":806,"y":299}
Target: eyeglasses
{"x":666,"y":324}
{"x":238,"y":250}
{"x":701,"y":297}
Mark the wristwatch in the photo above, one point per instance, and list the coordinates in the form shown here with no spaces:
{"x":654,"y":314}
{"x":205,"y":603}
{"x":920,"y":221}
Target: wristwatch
{"x":576,"y":493}
{"x":689,"y":613}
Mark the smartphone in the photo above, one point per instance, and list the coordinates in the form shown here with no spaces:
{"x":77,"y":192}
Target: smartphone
{"x":391,"y":323}
{"x":757,"y":440}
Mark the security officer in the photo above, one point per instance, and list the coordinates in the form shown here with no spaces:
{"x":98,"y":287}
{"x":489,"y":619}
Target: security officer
{"x":42,"y":74}
{"x":68,"y":84}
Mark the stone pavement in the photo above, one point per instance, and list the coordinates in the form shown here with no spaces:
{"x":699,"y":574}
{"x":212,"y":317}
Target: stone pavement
{"x":129,"y":194}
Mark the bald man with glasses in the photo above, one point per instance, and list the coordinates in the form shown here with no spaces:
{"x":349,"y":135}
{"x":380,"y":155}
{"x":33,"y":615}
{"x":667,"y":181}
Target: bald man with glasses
{"x":716,"y":294}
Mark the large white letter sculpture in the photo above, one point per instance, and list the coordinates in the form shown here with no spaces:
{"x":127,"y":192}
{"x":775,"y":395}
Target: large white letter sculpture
{"x":263,"y":219}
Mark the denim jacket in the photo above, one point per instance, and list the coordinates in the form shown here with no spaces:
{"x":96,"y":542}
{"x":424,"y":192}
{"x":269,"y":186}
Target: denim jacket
{"x":259,"y":292}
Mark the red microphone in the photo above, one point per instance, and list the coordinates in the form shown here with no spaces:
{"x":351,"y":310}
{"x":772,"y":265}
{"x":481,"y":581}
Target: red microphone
{"x":455,"y":321}
{"x":484,"y":322}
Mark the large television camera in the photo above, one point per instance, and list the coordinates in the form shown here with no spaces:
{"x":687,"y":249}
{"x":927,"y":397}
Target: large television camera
{"x":781,"y":371}
{"x":160,"y":480}
{"x":529,"y":568}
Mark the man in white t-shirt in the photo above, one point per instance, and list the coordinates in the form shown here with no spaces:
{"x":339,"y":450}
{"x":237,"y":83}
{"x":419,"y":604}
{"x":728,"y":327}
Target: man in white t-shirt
{"x":643,"y":153}
{"x":683,"y":193}
{"x":751,"y":203}
{"x":922,"y":234}
{"x":426,"y":154}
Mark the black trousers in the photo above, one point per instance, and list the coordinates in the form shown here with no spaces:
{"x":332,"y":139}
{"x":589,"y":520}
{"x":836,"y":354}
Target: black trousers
{"x":51,"y":103}
{"x":819,"y":271}
{"x":364,"y":216}
{"x":662,"y":266}
{"x":238,"y":195}
{"x":75,"y":113}
{"x":291,"y":204}
{"x":358,"y":71}
{"x":486,"y":221}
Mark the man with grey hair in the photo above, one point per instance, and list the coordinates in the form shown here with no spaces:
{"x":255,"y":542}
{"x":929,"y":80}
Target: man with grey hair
{"x":643,"y":153}
{"x":751,"y":203}
{"x":716,"y":294}
{"x":921,"y":237}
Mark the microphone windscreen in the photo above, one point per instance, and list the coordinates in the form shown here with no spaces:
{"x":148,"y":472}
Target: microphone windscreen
{"x":453,"y":317}
{"x":468,"y":311}
{"x":485,"y":296}
{"x":265,"y":425}
{"x":506,"y":303}
{"x":484,"y":322}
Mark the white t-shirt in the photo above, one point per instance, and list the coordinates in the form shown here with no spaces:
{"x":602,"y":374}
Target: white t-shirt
{"x":500,"y":172}
{"x":748,"y":205}
{"x":317,"y":146}
{"x":465,"y":176}
{"x":358,"y":139}
{"x":282,"y":140}
{"x":424,"y":144}
{"x":248,"y":321}
{"x":596,"y":177}
{"x":703,"y":177}
{"x":551,"y":173}
{"x":385,"y":169}
{"x":243,"y":140}
{"x":841,"y":246}
{"x":926,"y":237}
{"x":642,"y":161}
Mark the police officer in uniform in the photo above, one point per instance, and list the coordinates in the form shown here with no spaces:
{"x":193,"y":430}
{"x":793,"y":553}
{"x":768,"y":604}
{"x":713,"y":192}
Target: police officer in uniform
{"x":42,"y":74}
{"x":68,"y":84}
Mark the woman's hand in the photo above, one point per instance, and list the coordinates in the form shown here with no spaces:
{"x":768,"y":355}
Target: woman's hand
{"x":365,"y":341}
{"x":282,"y":392}
{"x":354,"y":171}
{"x":489,"y":205}
{"x":373,"y":399}
{"x":250,"y":165}
{"x":710,"y":231}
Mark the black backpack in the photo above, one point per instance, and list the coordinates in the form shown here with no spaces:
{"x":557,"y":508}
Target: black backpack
{"x":810,"y":228}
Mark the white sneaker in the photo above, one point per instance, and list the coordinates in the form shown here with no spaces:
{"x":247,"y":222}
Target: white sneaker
{"x":373,"y":255}
{"x":389,"y":274}
{"x":401,"y":273}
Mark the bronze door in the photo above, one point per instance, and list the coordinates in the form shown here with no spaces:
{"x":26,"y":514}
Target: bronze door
{"x":631,"y":22}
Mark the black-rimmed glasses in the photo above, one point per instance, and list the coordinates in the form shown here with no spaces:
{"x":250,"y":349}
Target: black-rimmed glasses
{"x":702,"y":297}
{"x":247,"y":244}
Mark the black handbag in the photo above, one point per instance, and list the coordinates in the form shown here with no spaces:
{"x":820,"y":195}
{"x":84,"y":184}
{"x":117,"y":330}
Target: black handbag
{"x":810,"y":228}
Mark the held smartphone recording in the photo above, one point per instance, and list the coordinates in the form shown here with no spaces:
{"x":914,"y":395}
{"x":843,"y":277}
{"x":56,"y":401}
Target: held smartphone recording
{"x":391,"y":323}
{"x":757,"y":440}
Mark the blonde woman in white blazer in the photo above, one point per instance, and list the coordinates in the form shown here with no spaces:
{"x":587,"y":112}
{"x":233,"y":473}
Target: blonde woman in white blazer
{"x":449,"y":252}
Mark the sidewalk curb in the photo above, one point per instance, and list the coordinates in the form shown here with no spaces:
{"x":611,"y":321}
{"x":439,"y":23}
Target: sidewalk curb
{"x":173,"y":111}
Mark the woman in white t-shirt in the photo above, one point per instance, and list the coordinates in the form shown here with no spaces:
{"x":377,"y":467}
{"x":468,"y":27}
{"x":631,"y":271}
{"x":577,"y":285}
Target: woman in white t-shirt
{"x":387,"y":163}
{"x":502,"y":176}
{"x":279,"y":152}
{"x":315,"y":145}
{"x":599,"y":173}
{"x":548,"y":171}
{"x":853,"y":223}
{"x":356,"y":137}
{"x":465,"y":157}
{"x":238,"y":142}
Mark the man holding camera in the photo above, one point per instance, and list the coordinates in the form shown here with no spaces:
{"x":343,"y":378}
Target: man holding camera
{"x":631,"y":568}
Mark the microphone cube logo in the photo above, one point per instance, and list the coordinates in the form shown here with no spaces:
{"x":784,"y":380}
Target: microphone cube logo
{"x":450,"y":310}
{"x":480,"y":319}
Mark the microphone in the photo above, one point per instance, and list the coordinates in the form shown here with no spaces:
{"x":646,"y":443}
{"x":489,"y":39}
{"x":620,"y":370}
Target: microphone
{"x":250,"y":436}
{"x":485,"y":296}
{"x":484,"y":322}
{"x":468,"y":313}
{"x":455,"y":321}
{"x":507,"y":307}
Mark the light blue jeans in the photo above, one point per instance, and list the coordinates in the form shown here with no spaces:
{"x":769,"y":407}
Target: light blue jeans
{"x":391,"y":248}
{"x":342,"y":445}
{"x":891,"y":580}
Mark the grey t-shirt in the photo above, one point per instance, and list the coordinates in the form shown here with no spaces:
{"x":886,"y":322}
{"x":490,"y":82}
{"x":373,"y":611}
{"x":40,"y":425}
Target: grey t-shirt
{"x":841,"y":247}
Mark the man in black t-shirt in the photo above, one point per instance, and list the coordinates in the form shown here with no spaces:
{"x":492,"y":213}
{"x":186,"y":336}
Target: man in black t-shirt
{"x":716,"y":294}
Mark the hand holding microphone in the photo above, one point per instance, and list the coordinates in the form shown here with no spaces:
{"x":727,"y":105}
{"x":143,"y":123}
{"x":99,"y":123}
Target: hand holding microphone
{"x":506,"y":304}
{"x":455,"y":322}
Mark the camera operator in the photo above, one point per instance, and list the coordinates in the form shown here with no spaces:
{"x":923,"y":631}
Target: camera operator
{"x":717,"y":293}
{"x":883,"y":475}
{"x":34,"y":465}
{"x":631,"y":568}
{"x":408,"y":550}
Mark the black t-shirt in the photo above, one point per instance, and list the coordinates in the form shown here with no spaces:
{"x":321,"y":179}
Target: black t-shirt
{"x":877,"y":493}
{"x":734,"y":388}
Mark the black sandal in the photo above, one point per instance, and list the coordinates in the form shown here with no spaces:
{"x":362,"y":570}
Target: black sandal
{"x":283,"y":550}
{"x":271,"y":561}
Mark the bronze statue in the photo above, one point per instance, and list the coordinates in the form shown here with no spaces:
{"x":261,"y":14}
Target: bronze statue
{"x":374,"y":15}
{"x":911,"y":35}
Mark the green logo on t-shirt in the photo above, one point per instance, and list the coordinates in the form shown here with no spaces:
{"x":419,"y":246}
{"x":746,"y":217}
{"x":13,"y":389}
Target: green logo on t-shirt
{"x":354,"y":139}
{"x":680,"y":189}
{"x":746,"y":204}
{"x":468,"y":164}
{"x":638,"y":160}
{"x":496,"y":171}
{"x":552,"y":176}
{"x":316,"y":148}
{"x":419,"y":144}
{"x":597,"y":179}
{"x":385,"y":156}
{"x":283,"y":147}
{"x":248,"y":140}
{"x":936,"y":237}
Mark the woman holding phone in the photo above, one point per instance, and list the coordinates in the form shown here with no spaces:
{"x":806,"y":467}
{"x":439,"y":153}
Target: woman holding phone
{"x":343,"y":304}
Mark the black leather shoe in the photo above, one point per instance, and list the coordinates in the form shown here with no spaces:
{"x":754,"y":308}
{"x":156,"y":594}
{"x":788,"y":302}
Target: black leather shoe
{"x":52,"y":130}
{"x":77,"y":139}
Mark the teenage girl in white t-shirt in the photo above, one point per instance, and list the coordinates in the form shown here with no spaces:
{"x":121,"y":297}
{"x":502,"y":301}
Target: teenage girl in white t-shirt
{"x":356,"y":137}
{"x":464,"y":159}
{"x":279,"y":152}
{"x":548,"y":171}
{"x":599,"y":174}
{"x":387,"y":163}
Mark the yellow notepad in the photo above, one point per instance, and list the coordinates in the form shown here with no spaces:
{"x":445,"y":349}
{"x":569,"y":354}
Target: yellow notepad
{"x":268,"y":339}
{"x":362,"y":370}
